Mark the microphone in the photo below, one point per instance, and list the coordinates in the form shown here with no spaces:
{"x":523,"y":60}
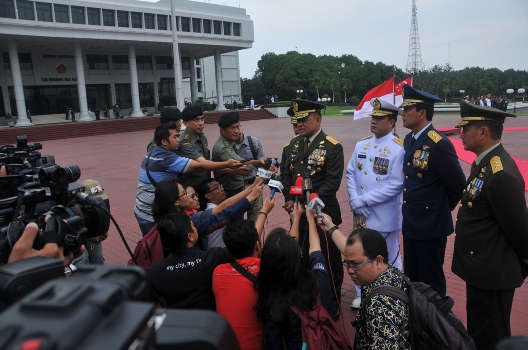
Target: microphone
{"x":265,"y":172}
{"x":296,"y":190}
{"x":275,"y":185}
{"x":316,"y":204}
{"x":307,"y":186}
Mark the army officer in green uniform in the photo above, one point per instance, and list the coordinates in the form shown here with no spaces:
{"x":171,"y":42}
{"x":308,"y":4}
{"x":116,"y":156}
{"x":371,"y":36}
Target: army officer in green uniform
{"x":193,"y":144}
{"x":321,"y":156}
{"x":225,"y":149}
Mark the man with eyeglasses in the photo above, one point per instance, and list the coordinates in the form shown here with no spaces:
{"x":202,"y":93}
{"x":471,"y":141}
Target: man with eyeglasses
{"x":366,"y":259}
{"x":214,"y":193}
{"x":225,"y":149}
{"x":162,"y":163}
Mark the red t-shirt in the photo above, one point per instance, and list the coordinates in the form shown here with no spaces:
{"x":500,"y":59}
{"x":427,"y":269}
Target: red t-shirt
{"x":235,"y":299}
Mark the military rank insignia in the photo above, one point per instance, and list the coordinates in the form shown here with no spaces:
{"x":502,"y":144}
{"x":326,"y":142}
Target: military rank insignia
{"x":474,"y":188}
{"x":317,"y":157}
{"x":380,"y":165}
{"x":421,"y":159}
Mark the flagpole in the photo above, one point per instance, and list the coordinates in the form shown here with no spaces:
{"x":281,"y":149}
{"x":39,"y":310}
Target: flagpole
{"x":394,"y":92}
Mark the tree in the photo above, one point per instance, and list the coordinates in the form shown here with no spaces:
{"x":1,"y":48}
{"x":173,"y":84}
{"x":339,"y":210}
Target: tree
{"x":316,"y":82}
{"x":346,"y":84}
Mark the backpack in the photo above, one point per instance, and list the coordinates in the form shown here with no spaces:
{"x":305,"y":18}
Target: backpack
{"x":148,"y":250}
{"x":432,"y":323}
{"x":319,"y":331}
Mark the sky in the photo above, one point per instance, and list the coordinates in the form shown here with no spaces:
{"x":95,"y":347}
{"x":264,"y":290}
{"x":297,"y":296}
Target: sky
{"x":464,"y":33}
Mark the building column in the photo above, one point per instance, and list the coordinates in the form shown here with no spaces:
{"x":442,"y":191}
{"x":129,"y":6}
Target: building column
{"x":7,"y":102}
{"x":178,"y":80}
{"x":17,"y":82}
{"x":136,"y":110}
{"x":194,"y":87}
{"x":219,"y":88}
{"x":81,"y":86}
{"x":156,"y":94}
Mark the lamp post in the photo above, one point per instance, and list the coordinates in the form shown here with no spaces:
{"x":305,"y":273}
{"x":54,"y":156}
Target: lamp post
{"x":299,"y":94}
{"x":521,"y":91}
{"x":509,"y":92}
{"x":462,"y":93}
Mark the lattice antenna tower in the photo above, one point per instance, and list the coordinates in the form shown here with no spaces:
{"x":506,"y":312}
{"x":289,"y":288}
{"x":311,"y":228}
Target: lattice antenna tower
{"x":414,"y":59}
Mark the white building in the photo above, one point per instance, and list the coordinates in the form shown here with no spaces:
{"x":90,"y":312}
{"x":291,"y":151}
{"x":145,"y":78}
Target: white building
{"x":91,"y":54}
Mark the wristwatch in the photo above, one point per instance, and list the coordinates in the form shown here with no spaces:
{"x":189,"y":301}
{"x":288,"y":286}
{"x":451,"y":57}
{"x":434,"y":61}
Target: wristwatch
{"x":331,"y":230}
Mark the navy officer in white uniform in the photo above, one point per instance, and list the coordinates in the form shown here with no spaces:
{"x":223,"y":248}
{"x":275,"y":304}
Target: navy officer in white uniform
{"x":375,"y":181}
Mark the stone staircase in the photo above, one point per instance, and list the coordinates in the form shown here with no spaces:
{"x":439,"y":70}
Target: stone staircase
{"x":67,"y":130}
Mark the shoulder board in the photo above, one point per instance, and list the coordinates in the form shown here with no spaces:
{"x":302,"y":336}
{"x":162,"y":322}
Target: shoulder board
{"x":186,"y":137}
{"x":332,"y":140}
{"x":297,"y":135}
{"x":398,"y":141}
{"x":366,"y":138}
{"x":433,"y":135}
{"x":286,"y":145}
{"x":496,"y":164}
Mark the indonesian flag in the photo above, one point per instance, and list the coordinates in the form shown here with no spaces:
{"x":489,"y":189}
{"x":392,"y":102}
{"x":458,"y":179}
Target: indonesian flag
{"x":384,"y":91}
{"x":398,"y":98}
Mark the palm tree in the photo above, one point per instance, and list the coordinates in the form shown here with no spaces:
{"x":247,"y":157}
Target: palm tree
{"x":346,"y":84}
{"x":317,"y":83}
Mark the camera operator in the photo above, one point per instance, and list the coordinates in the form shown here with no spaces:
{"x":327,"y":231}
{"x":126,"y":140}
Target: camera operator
{"x":23,"y":248}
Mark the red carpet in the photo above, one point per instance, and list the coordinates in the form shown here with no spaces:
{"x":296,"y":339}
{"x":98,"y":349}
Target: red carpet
{"x":469,"y":157}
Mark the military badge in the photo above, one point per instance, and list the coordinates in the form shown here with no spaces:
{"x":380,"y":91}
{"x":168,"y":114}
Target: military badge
{"x":380,"y":165}
{"x":474,"y":188}
{"x":360,"y":165}
{"x":421,"y":159}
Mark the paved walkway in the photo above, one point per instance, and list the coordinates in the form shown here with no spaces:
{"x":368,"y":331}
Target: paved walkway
{"x":114,"y":160}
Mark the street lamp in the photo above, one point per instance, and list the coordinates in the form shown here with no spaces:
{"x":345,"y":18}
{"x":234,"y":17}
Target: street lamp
{"x":509,"y":92}
{"x":462,"y":93}
{"x":521,"y":91}
{"x":299,"y":94}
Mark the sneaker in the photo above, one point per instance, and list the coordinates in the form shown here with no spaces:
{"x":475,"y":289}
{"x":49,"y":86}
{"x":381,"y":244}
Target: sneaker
{"x":356,"y":303}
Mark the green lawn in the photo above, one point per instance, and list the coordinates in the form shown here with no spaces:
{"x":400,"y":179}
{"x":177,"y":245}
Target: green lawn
{"x":336,"y":110}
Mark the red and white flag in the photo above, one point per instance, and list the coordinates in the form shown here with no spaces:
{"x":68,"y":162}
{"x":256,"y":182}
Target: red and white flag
{"x":384,"y":91}
{"x":398,"y":98}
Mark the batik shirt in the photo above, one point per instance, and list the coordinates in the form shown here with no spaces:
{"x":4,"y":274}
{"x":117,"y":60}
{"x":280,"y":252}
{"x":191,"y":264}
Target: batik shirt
{"x":386,"y":323}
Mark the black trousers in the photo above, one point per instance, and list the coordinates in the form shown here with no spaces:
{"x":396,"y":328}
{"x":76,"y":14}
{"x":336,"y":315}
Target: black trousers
{"x":335,"y":262}
{"x":423,"y":261}
{"x":488,"y":315}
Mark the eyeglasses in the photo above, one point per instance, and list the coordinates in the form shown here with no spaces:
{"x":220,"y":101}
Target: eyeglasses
{"x":193,"y":196}
{"x":215,"y":188}
{"x":183,"y":194}
{"x":355,"y":267}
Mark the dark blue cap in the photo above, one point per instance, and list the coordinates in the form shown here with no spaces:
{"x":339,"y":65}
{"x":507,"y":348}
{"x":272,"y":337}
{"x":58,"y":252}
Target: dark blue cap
{"x":412,"y":96}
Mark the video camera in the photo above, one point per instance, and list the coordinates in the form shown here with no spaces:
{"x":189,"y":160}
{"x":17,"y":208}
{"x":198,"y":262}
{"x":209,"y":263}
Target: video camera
{"x":36,"y":187}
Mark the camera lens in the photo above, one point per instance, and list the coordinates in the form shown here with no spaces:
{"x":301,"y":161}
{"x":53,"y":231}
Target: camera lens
{"x":46,"y":172}
{"x":67,"y":174}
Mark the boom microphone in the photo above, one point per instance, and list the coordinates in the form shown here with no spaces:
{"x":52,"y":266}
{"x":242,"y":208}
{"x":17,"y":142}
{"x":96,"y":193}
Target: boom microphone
{"x":296,"y":190}
{"x":275,"y":185}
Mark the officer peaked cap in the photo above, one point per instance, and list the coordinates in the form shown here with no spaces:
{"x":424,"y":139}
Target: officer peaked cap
{"x":472,"y":113}
{"x":412,"y":96}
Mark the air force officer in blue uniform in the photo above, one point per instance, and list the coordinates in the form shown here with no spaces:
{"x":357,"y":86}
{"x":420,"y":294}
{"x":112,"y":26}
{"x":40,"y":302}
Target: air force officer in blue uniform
{"x":375,"y":181}
{"x":433,"y":187}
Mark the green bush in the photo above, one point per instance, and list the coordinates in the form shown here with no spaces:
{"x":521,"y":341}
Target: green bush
{"x":208,"y":107}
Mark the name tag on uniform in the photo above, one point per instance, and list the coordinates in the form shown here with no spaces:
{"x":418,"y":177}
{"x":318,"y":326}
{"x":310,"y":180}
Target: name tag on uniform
{"x":364,"y":156}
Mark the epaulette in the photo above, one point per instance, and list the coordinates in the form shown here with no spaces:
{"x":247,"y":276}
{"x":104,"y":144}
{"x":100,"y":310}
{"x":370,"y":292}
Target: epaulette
{"x":332,"y":140}
{"x":433,"y":135}
{"x":398,"y":141}
{"x":286,"y":145}
{"x":297,"y":135}
{"x":365,"y":138}
{"x":496,"y":164}
{"x":186,"y":137}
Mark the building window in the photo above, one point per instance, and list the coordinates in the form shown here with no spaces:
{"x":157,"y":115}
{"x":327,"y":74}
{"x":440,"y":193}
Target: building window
{"x":162,"y":22}
{"x":186,"y":63}
{"x":44,"y":12}
{"x":77,"y":13}
{"x":197,"y":62}
{"x":199,"y":85}
{"x":186,"y":24}
{"x":97,"y":62}
{"x":120,"y":62}
{"x":123,"y":96}
{"x":25,"y":10}
{"x":217,"y":27}
{"x":149,"y":21}
{"x":136,"y":20}
{"x":94,"y":16}
{"x":164,"y":62}
{"x":7,"y":63}
{"x":122,"y":19}
{"x":144,"y":62}
{"x":62,"y":14}
{"x":198,"y":73}
{"x":207,"y":26}
{"x":227,"y":28}
{"x":7,"y":9}
{"x":236,"y":29}
{"x":25,"y":61}
{"x":109,"y":18}
{"x":197,"y":27}
{"x":146,"y":94}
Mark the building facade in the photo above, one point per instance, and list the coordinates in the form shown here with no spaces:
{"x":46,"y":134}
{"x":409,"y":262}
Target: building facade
{"x":95,"y":54}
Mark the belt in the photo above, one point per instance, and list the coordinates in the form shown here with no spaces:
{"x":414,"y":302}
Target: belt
{"x":249,"y":181}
